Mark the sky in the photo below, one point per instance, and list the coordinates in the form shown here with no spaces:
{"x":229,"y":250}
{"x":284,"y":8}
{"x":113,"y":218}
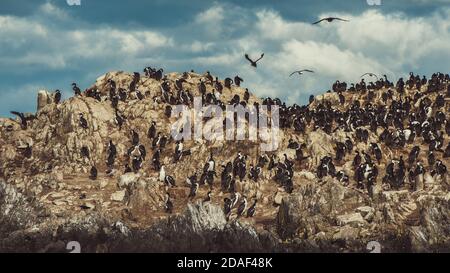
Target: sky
{"x":48,"y":44}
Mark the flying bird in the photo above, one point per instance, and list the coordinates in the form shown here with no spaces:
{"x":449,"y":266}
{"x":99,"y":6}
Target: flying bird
{"x":329,"y":20}
{"x":300,"y":72}
{"x":370,"y":74}
{"x":23,"y":119}
{"x":253,"y":63}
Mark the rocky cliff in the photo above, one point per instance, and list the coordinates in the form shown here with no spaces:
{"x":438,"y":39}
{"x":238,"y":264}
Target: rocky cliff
{"x":48,"y":197}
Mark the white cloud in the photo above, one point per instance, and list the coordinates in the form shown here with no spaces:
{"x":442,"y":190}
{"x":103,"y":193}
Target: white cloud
{"x":41,"y":43}
{"x":218,"y":37}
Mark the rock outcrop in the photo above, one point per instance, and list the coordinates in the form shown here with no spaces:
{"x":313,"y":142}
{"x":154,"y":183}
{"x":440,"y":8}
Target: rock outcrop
{"x":48,"y":198}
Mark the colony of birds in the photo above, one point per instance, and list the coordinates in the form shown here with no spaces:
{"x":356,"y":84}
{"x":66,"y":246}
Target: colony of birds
{"x":362,"y":162}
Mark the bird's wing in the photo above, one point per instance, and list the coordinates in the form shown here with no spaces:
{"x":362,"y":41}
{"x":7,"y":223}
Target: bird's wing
{"x":340,"y":19}
{"x":294,"y":73}
{"x":307,"y":70}
{"x":262,"y":55}
{"x":315,"y":23}
{"x":248,"y":58}
{"x":20,"y":115}
{"x":370,"y":74}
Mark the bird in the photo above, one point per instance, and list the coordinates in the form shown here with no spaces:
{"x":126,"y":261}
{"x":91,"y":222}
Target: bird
{"x":152,"y":131}
{"x":23,"y":119}
{"x":127,"y":169}
{"x":168,"y":205}
{"x":208,"y":197}
{"x":119,"y":120}
{"x":300,"y":72}
{"x":227,"y":206}
{"x":83,"y":121}
{"x":76,"y":89}
{"x":57,"y":97}
{"x":85,"y":152}
{"x":27,"y":151}
{"x":329,"y":20}
{"x":242,"y":207}
{"x":93,"y":173}
{"x":167,"y":179}
{"x":193,"y":192}
{"x":251,"y":211}
{"x":253,"y":63}
{"x":370,"y":74}
{"x":238,"y":80}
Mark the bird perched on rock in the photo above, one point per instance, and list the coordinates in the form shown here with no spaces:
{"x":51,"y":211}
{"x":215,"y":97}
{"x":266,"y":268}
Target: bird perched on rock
{"x":57,"y":97}
{"x":93,"y":173}
{"x":252,"y":210}
{"x":76,"y":89}
{"x":168,"y":206}
{"x":242,"y":207}
{"x":82,"y":121}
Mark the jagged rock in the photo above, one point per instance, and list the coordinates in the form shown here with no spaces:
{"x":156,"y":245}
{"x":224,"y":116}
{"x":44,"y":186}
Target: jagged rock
{"x":118,"y":196}
{"x":128,"y":180}
{"x":353,"y":219}
{"x":313,"y":208}
{"x":44,"y":98}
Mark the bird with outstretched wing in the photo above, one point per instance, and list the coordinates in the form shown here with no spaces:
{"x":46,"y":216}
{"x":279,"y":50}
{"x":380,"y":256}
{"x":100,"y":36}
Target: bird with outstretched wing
{"x":300,"y":72}
{"x":369,"y":74}
{"x":330,"y":19}
{"x":253,"y":63}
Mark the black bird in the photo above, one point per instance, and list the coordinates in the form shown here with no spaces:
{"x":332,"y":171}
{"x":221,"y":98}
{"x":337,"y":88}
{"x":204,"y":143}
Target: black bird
{"x":371,"y":75}
{"x":83,"y":122}
{"x":238,"y":80}
{"x":57,"y":97}
{"x":300,"y":72}
{"x":227,"y":206}
{"x":251,"y":211}
{"x":168,"y":111}
{"x":242,"y":207}
{"x":169,"y":180}
{"x":127,"y":169}
{"x":27,"y":152}
{"x":207,"y":198}
{"x":85,"y":152}
{"x":152,"y":131}
{"x":93,"y":173}
{"x":329,"y":20}
{"x":169,"y":205}
{"x":253,"y":63}
{"x":76,"y":89}
{"x":119,"y":119}
{"x":84,"y":207}
{"x":122,"y":94}
{"x":357,"y":160}
{"x":193,"y":192}
{"x":134,"y":138}
{"x":23,"y":119}
{"x":139,"y":95}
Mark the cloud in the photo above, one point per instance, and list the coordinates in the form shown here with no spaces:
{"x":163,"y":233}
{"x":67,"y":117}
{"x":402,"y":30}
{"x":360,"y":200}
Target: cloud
{"x":38,"y":42}
{"x":215,"y":39}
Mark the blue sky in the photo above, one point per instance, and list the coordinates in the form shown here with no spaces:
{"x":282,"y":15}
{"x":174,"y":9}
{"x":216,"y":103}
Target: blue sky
{"x":47,"y":44}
